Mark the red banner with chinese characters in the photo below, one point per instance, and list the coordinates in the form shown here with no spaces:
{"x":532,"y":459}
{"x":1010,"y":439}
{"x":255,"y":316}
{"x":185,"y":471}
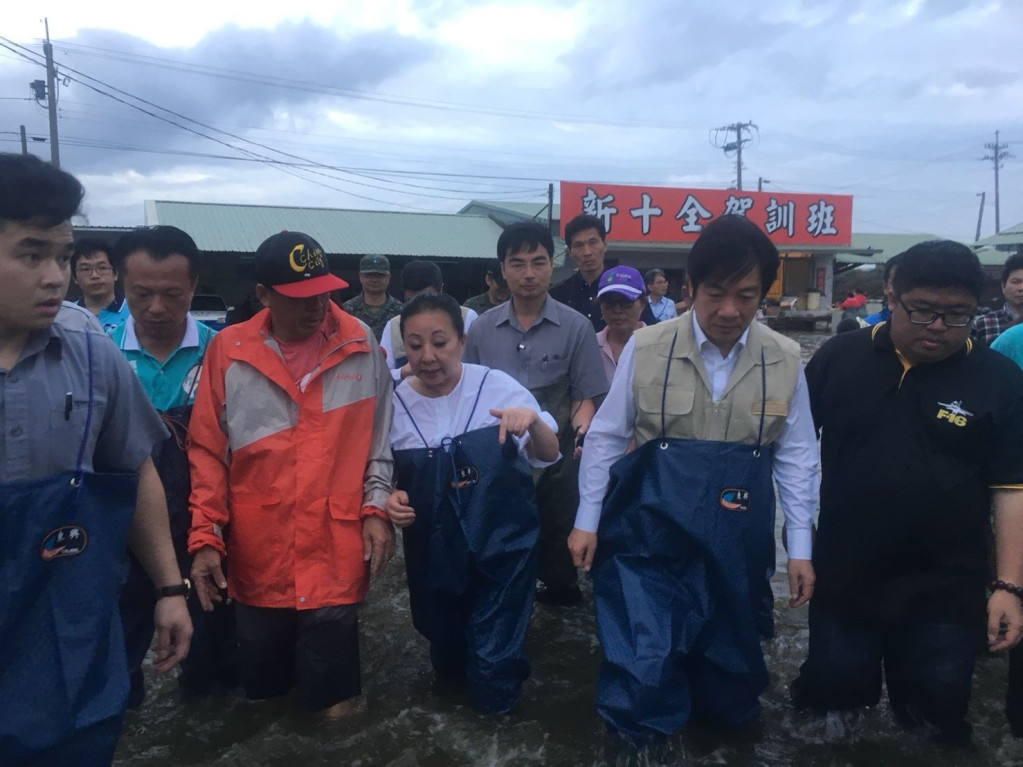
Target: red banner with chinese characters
{"x":665,"y":214}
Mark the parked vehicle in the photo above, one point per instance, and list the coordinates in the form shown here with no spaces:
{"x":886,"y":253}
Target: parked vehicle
{"x":210,"y":310}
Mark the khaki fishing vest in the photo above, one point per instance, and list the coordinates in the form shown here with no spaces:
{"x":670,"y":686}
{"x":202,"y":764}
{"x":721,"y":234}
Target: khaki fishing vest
{"x":689,"y":410}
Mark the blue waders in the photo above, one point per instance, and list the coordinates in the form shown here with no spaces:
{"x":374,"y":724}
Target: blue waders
{"x":681,"y":582}
{"x":63,"y":540}
{"x":470,"y":558}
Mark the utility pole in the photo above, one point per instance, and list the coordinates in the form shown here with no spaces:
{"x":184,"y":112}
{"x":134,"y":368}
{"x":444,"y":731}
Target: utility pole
{"x":550,"y":210}
{"x":980,"y":213}
{"x":24,"y":141}
{"x":741,"y":137}
{"x":51,"y":98}
{"x":761,"y":181}
{"x":998,"y":153}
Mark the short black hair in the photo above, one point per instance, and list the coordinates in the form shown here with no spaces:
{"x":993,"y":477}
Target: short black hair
{"x":158,"y":242}
{"x":524,"y":237}
{"x":729,"y":248}
{"x":433,"y":302}
{"x":420,"y":275}
{"x":890,"y":264}
{"x":939,"y":264}
{"x":653,"y":274}
{"x":33,"y":190}
{"x":87,"y":247}
{"x":847,"y":325}
{"x":1012,"y":264}
{"x":581,"y":223}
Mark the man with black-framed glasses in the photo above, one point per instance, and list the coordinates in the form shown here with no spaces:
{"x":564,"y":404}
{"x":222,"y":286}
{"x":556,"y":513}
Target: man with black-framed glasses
{"x":94,"y":272}
{"x":920,"y":431}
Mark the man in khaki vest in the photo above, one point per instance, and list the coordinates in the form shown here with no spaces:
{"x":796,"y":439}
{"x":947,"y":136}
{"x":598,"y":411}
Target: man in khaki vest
{"x":718,"y":409}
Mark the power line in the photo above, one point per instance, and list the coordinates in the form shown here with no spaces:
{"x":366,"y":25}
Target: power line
{"x":323,"y":88}
{"x":312,"y":164}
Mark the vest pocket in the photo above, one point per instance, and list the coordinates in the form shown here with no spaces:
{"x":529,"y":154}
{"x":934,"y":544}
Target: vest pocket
{"x":677,"y":401}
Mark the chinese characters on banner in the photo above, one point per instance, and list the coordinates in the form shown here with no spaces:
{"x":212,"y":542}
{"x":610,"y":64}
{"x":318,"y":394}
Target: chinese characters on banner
{"x":664,"y":214}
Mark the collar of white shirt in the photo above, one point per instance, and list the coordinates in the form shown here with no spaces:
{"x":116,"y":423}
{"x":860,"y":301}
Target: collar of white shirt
{"x":706,"y":346}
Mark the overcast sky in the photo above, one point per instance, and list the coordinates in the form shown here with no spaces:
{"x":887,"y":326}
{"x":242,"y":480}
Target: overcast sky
{"x":427,"y":104}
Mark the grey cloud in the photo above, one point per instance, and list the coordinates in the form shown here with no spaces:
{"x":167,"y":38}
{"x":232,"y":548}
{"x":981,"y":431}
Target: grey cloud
{"x":301,"y":51}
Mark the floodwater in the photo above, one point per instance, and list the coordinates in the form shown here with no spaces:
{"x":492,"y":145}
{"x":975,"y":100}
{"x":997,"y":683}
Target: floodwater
{"x":406,"y":723}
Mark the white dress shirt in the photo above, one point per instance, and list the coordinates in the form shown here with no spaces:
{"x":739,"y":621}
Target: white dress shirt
{"x":795,"y":465}
{"x":439,"y":418}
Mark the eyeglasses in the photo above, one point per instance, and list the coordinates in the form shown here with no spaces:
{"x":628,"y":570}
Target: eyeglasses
{"x":928,"y":317}
{"x":101,"y":269}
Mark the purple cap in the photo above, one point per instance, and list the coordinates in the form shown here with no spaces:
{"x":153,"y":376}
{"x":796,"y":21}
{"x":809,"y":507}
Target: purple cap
{"x":624,"y":280}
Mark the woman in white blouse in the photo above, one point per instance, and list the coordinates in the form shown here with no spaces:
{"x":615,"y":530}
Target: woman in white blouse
{"x":464,"y":438}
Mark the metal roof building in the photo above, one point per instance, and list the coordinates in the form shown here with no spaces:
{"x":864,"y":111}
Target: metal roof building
{"x":223,"y":228}
{"x":228,"y":235}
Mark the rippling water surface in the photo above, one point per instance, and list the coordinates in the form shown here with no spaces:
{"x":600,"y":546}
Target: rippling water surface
{"x":406,"y":723}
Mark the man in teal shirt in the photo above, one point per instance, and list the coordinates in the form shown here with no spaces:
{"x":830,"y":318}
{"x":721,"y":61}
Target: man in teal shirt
{"x":170,"y":383}
{"x":165,"y":345}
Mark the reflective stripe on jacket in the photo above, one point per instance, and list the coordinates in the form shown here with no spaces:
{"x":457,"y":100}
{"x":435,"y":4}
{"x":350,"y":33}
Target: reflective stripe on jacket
{"x":284,"y":475}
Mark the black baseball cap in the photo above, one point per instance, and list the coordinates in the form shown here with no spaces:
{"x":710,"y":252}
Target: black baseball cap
{"x":295,"y":265}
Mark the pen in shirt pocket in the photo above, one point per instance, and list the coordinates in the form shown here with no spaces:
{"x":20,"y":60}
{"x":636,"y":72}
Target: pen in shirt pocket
{"x":543,"y":363}
{"x":69,"y":401}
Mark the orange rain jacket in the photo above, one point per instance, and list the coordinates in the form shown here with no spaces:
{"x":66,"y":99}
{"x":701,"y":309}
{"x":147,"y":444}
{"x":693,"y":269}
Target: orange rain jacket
{"x":289,"y":474}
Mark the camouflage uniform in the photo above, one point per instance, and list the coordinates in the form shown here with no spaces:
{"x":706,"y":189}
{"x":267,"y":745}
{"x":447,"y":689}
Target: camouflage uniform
{"x":480,"y":303}
{"x":374,"y":316}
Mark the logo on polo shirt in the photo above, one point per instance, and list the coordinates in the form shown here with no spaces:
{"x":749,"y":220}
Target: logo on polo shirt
{"x":953,"y":412}
{"x":67,"y":541}
{"x":734,"y":499}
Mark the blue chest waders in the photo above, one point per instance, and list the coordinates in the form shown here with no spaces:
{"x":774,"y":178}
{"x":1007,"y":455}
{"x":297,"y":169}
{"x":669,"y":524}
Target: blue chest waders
{"x":63,"y":540}
{"x":681,"y":583}
{"x":470,"y":558}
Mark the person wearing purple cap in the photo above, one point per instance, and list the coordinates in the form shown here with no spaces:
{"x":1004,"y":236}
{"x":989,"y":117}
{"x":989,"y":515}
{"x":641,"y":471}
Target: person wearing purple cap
{"x":620,"y":298}
{"x":289,"y":447}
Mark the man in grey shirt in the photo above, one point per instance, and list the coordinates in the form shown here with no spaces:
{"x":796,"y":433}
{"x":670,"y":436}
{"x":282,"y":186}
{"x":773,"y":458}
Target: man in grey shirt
{"x":552,"y":350}
{"x":74,"y":462}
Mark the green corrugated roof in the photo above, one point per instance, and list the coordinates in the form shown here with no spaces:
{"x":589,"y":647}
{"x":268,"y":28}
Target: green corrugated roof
{"x":241,"y":228}
{"x":886,"y":245}
{"x":519,"y":211}
{"x":1007,"y":238}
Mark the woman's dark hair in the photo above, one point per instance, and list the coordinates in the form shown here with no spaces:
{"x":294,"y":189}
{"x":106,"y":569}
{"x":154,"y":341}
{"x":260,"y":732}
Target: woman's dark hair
{"x":433,"y":302}
{"x":524,"y":237}
{"x":729,"y":248}
{"x":33,"y":190}
{"x":846,"y":325}
{"x":939,"y":264}
{"x":158,"y":242}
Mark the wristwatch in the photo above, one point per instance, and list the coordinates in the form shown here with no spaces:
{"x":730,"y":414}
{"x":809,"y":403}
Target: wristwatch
{"x":182,"y":589}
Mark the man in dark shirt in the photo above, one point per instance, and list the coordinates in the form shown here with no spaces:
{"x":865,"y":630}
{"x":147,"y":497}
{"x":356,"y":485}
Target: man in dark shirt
{"x":586,"y":240}
{"x":920,"y":432}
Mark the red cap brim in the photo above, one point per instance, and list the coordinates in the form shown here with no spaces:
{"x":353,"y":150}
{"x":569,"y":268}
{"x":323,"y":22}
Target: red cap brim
{"x":317,"y":286}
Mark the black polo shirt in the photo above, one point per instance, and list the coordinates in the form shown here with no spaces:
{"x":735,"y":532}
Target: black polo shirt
{"x":582,"y":296}
{"x":909,"y":456}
